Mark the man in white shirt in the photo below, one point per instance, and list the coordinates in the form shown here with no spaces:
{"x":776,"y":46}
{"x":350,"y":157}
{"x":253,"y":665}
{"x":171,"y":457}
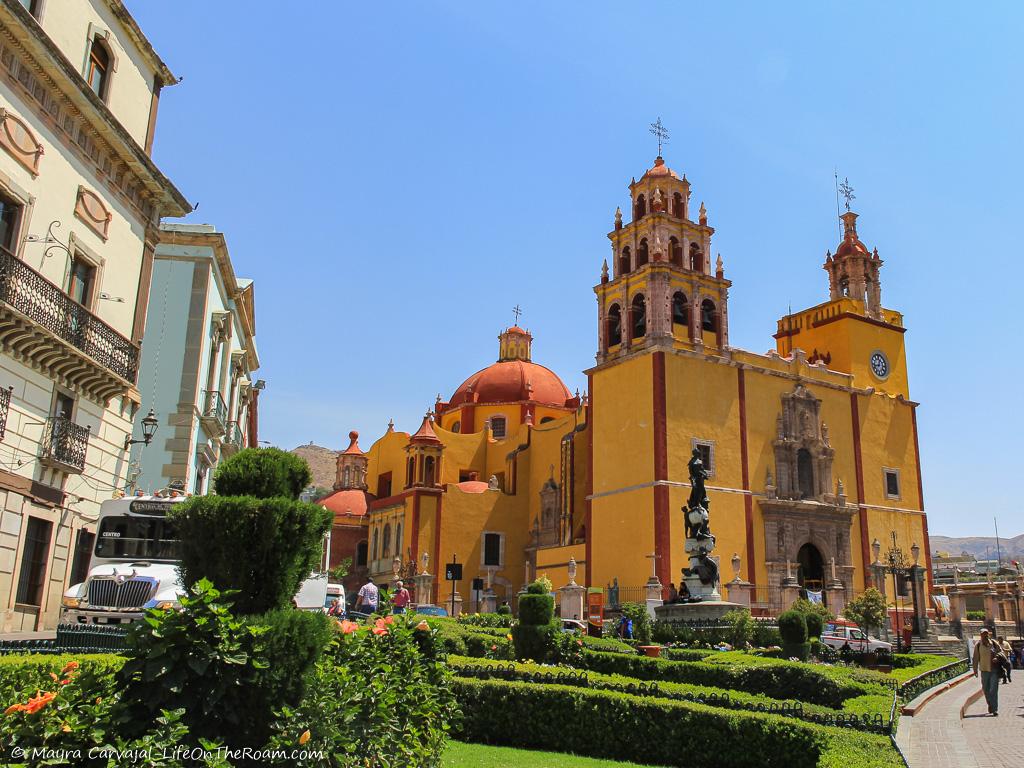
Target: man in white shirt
{"x":369,"y":597}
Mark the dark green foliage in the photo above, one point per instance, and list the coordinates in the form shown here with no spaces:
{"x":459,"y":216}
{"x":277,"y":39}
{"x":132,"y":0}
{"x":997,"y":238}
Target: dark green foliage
{"x":642,"y":625}
{"x":536,"y":609}
{"x":459,"y":639}
{"x":685,"y":654}
{"x":868,"y":610}
{"x":815,"y":626}
{"x":975,"y":615}
{"x":492,"y":620}
{"x":292,"y":642}
{"x":264,"y":548}
{"x":538,"y":588}
{"x":504,"y":610}
{"x":740,"y":630}
{"x":609,"y":644}
{"x":535,"y":642}
{"x":200,"y":659}
{"x":625,"y":727}
{"x":806,"y":607}
{"x":262,"y":472}
{"x":792,"y":627}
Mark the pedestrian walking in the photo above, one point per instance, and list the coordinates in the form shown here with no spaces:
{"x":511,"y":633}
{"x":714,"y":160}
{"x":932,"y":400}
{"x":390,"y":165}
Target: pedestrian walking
{"x":1006,"y":666}
{"x":985,"y":660}
{"x":368,"y":597}
{"x":401,"y":599}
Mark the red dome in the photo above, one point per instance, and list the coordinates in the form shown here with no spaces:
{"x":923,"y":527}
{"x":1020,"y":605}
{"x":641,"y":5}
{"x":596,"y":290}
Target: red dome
{"x":351,"y":501}
{"x":512,"y":381}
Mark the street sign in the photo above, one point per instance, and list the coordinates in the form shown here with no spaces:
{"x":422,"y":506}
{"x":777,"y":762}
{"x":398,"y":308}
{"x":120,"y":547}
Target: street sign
{"x":478,"y":584}
{"x":453,"y":572}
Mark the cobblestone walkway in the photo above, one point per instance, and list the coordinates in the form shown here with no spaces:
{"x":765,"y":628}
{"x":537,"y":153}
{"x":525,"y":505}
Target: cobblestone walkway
{"x":938,"y":738}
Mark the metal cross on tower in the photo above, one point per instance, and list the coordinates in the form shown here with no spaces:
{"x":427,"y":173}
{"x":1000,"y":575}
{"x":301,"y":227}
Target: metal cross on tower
{"x":847,"y":191}
{"x":661,"y":133}
{"x":517,"y":312}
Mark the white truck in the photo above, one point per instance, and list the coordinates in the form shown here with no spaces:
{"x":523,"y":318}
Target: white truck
{"x":841,"y":634}
{"x":135,"y":566}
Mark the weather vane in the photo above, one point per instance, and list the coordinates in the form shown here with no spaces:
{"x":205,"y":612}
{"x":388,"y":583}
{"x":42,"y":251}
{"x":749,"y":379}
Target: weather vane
{"x":847,"y":191}
{"x":661,"y":132}
{"x":517,"y":312}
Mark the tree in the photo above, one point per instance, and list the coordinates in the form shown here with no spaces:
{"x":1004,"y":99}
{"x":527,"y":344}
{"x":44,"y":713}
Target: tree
{"x":340,"y":571}
{"x":868,"y":609}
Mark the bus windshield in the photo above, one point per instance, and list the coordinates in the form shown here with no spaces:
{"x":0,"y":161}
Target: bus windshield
{"x":137,"y":538}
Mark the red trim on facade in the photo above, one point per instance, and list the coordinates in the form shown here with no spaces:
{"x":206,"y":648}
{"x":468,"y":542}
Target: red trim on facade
{"x":437,"y":549}
{"x":590,"y":482}
{"x":389,"y":501}
{"x":920,"y":500}
{"x":415,"y":549}
{"x":662,"y":518}
{"x":468,"y":419}
{"x":862,"y":512}
{"x":748,"y":501}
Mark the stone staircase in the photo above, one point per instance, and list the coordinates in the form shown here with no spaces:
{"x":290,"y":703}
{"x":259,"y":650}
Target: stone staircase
{"x":934,"y":644}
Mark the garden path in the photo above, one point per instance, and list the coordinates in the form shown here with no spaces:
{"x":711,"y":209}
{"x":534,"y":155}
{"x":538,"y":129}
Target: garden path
{"x":938,"y":737}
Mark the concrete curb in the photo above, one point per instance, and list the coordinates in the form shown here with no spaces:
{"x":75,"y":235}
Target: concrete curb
{"x":914,"y":707}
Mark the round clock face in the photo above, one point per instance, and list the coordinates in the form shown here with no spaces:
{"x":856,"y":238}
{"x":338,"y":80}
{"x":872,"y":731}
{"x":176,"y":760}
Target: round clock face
{"x":879,"y":365}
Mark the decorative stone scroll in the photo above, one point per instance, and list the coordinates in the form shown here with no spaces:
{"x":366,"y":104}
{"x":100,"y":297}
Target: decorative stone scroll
{"x":91,"y":209}
{"x":19,"y":141}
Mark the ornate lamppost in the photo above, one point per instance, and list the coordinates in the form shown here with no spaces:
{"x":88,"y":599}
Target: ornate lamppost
{"x":896,"y":564}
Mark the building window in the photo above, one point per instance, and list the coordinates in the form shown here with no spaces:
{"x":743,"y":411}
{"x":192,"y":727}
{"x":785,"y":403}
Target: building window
{"x":398,"y":540}
{"x":642,"y":253}
{"x":10,"y":217}
{"x":492,"y":549}
{"x":373,"y":549}
{"x":707,"y":315}
{"x":385,"y":550}
{"x":99,"y":68}
{"x":706,"y":450}
{"x":805,"y":473}
{"x":498,"y":425}
{"x":429,"y":471}
{"x":361,"y":553}
{"x":32,"y":6}
{"x":614,"y":325}
{"x":410,"y":471}
{"x":892,"y":483}
{"x":83,"y":552}
{"x":639,"y":316}
{"x":680,"y":309}
{"x":456,"y":427}
{"x":624,"y":260}
{"x":383,"y":485}
{"x":33,"y":561}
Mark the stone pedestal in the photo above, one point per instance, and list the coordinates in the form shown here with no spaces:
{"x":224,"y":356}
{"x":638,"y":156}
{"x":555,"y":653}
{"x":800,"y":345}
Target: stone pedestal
{"x":957,"y":611}
{"x":654,"y":592}
{"x":424,"y":588}
{"x":570,"y":601}
{"x":446,"y":603}
{"x":790,"y":592}
{"x":991,"y":607}
{"x":920,"y":587}
{"x":488,"y":601}
{"x":740,"y":592}
{"x":706,"y":610}
{"x":835,"y":596}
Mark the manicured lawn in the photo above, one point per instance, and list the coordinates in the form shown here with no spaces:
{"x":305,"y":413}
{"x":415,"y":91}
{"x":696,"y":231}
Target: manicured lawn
{"x":459,"y":755}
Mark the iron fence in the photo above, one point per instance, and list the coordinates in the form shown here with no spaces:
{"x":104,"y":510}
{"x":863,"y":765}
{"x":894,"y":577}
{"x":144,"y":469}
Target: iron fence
{"x":43,"y":302}
{"x":214,"y":408}
{"x":615,"y":597}
{"x":917,"y":685}
{"x":64,"y":444}
{"x":232,"y":436}
{"x":73,"y":638}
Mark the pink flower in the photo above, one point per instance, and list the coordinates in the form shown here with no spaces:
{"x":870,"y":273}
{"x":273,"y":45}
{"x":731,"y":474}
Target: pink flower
{"x":380,"y":626}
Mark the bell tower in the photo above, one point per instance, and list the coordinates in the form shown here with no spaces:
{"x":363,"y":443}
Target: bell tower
{"x":853,"y":272}
{"x":662,"y":288}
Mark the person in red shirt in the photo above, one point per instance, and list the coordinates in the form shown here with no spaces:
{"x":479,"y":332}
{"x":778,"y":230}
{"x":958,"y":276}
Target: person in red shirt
{"x":401,"y":599}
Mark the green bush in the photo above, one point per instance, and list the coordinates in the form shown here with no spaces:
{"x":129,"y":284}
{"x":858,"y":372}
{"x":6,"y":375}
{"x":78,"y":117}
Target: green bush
{"x":815,"y":626}
{"x":642,"y":624}
{"x":626,"y":727}
{"x":292,"y":642}
{"x":975,"y":615}
{"x":868,"y":609}
{"x":685,"y":654}
{"x":536,"y":609}
{"x":466,"y":640}
{"x":741,"y":628}
{"x":793,"y":628}
{"x":504,"y":610}
{"x":492,"y":620}
{"x":606,"y":644}
{"x":765,"y":635}
{"x":263,"y":548}
{"x":262,"y":472}
{"x":533,"y":641}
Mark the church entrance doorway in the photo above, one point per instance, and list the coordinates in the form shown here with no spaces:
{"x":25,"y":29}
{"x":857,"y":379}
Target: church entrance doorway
{"x":811,"y":570}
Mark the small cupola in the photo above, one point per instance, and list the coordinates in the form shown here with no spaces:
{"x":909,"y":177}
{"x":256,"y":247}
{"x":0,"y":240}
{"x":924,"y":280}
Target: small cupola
{"x":351,"y":469}
{"x":514,"y":344}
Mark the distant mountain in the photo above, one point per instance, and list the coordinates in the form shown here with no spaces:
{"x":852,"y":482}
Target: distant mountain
{"x":1009,"y":547}
{"x":323,"y":463}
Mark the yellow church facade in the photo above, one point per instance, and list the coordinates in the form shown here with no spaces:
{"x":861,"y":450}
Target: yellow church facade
{"x":812,"y":448}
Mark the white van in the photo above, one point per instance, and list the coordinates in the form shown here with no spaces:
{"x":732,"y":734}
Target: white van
{"x":336,"y":592}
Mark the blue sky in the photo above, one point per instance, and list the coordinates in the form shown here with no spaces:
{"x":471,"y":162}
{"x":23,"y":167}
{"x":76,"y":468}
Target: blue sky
{"x":397,"y":176}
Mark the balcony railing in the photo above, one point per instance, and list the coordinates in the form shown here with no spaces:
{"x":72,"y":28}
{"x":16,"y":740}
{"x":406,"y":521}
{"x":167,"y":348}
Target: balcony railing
{"x":214,"y":413}
{"x":31,"y":294}
{"x":64,"y":444}
{"x":5,"y":405}
{"x":232,"y":441}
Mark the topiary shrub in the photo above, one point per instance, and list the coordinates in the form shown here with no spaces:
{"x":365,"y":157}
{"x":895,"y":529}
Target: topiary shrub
{"x":793,"y":628}
{"x":534,"y":634}
{"x":536,"y":609}
{"x":815,"y":626}
{"x":293,"y":641}
{"x":263,"y":473}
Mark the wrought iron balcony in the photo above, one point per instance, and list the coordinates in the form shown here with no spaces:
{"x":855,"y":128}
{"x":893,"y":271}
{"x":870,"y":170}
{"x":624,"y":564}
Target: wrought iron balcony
{"x":64,"y":444}
{"x":232,"y":441}
{"x":5,"y":405}
{"x":214,"y":414}
{"x":42,"y":326}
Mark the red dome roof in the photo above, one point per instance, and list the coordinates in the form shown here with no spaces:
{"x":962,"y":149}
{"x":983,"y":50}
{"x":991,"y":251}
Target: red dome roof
{"x":511,"y":381}
{"x":351,"y":501}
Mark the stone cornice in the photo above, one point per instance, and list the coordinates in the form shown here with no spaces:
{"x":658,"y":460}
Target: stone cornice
{"x":63,"y":100}
{"x":140,"y":39}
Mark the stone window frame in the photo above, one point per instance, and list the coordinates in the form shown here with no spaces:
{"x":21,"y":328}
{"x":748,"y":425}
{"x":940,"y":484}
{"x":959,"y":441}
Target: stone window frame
{"x":99,"y":35}
{"x":886,"y":471}
{"x":27,"y":201}
{"x":710,"y":445}
{"x":504,"y":428}
{"x":84,"y":253}
{"x":502,"y":538}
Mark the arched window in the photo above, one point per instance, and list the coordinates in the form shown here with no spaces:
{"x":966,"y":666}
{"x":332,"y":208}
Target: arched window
{"x":680,"y":309}
{"x":675,"y":252}
{"x":624,"y":259}
{"x":639,"y":316}
{"x":398,"y":540}
{"x":457,"y":427}
{"x":386,"y":548}
{"x":98,"y":74}
{"x":696,"y":258}
{"x":641,"y":253}
{"x":805,"y":473}
{"x":498,"y":426}
{"x":410,"y":471}
{"x":677,"y":205}
{"x":361,"y":553}
{"x":346,"y":477}
{"x":810,"y":567}
{"x":373,"y":549}
{"x":641,"y":207}
{"x":844,"y":286}
{"x":428,"y":471}
{"x":546,"y":419}
{"x":707,"y":315}
{"x":614,"y":325}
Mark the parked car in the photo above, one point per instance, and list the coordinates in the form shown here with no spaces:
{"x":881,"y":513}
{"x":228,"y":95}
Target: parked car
{"x":432,"y":610}
{"x":839,"y":634}
{"x":574,"y":625}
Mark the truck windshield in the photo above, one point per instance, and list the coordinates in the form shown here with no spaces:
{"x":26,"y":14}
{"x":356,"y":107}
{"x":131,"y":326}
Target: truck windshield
{"x":137,"y":538}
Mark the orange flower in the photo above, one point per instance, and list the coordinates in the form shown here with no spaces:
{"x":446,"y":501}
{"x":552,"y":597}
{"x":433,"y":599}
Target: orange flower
{"x":348,"y":627}
{"x":389,"y":619}
{"x":380,"y":626}
{"x":66,"y":728}
{"x":65,"y":681}
{"x":304,"y":737}
{"x":494,"y":647}
{"x":71,"y":666}
{"x":54,"y":677}
{"x":14,"y":708}
{"x":39,"y":701}
{"x":508,"y":637}
{"x":423,"y":626}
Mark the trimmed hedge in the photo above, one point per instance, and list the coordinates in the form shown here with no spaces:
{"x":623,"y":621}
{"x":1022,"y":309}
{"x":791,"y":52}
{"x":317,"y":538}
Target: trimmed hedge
{"x":686,"y":654}
{"x":461,"y":640}
{"x":536,"y":609}
{"x":621,"y":726}
{"x":607,"y":644}
{"x":25,"y":674}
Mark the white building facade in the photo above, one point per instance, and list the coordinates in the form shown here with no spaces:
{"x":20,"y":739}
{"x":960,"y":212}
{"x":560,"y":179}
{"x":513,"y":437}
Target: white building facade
{"x":198,"y":362}
{"x":80,"y":206}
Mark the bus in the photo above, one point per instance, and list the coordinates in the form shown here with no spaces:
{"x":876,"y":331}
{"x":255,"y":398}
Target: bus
{"x":134,"y":566}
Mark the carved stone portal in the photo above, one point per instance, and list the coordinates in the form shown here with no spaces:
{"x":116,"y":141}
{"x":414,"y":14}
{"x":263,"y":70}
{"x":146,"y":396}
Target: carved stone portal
{"x":548,"y":533}
{"x":803,"y":456}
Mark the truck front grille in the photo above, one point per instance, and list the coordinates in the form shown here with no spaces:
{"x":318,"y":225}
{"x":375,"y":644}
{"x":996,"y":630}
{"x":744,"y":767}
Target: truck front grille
{"x":130,"y":593}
